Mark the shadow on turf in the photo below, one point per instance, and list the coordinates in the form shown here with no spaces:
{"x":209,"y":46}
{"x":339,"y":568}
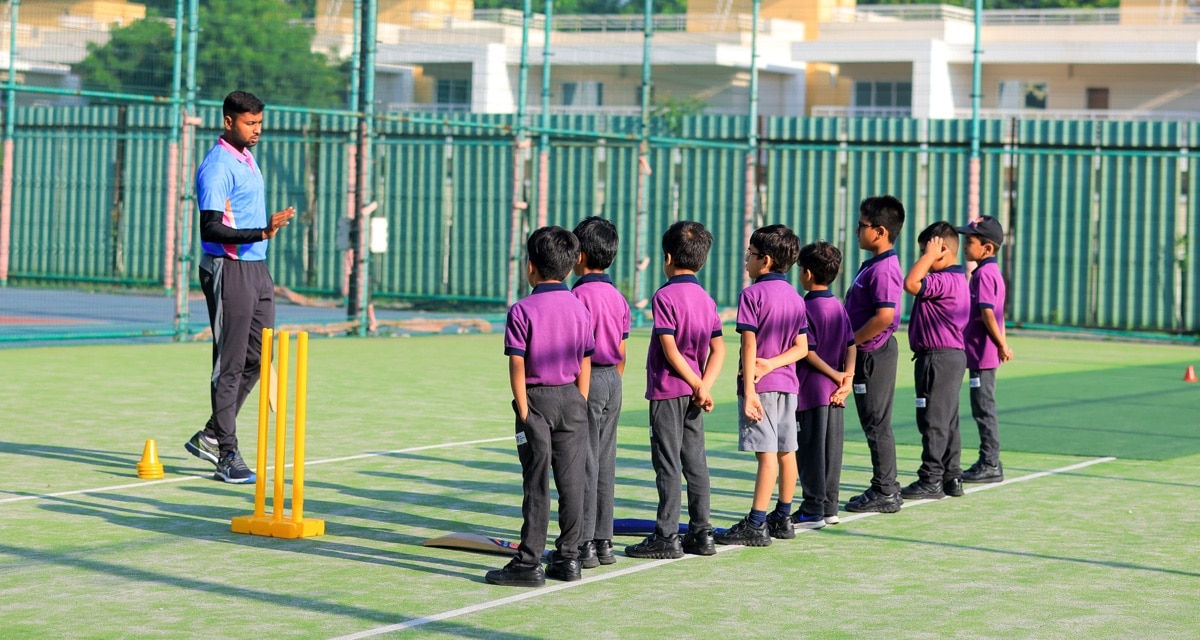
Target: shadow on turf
{"x":1009,"y":552}
{"x":227,"y":589}
{"x":90,"y":457}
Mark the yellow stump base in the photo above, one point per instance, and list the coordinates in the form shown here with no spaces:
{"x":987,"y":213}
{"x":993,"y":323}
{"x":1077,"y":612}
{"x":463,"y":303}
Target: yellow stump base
{"x":272,"y":528}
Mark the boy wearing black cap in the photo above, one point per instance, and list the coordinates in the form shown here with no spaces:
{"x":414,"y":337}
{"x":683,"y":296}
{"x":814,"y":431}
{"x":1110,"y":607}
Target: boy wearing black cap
{"x":985,"y":342}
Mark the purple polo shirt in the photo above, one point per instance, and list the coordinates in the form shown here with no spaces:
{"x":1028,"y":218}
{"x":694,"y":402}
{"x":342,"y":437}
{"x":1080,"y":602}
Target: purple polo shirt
{"x":940,"y":312}
{"x":773,"y":310}
{"x":987,"y":292}
{"x":682,"y":308}
{"x":609,"y":315}
{"x":552,"y":331}
{"x":829,"y":334}
{"x":877,"y":285}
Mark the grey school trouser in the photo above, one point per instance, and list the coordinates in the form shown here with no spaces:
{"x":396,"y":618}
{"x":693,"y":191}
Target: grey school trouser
{"x":241,"y":302}
{"x":983,"y":409}
{"x":677,"y":443}
{"x":874,"y":392}
{"x":938,"y":376}
{"x":821,"y":433}
{"x":553,"y":436}
{"x":604,"y":410}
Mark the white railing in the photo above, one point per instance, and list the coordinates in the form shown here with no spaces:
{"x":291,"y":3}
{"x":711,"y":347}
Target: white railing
{"x":861,"y":112}
{"x":1189,"y":14}
{"x":624,"y":23}
{"x":426,"y":107}
{"x":1080,"y":114}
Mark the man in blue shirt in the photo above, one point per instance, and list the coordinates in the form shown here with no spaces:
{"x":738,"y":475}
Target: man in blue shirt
{"x":234,"y":233}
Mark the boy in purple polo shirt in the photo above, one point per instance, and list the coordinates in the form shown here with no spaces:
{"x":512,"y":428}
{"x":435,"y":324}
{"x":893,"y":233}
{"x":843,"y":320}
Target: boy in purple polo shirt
{"x":609,"y":312}
{"x":935,"y":333}
{"x":873,"y":304}
{"x":825,"y":377}
{"x":685,"y":358}
{"x":773,"y":330}
{"x":985,"y":342}
{"x":548,"y":341}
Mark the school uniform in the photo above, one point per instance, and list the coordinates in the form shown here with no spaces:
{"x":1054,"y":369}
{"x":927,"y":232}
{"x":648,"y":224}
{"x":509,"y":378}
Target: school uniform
{"x":821,"y":426}
{"x":987,"y":291}
{"x":878,"y":284}
{"x":935,"y":333}
{"x":683,"y":309}
{"x":552,"y":331}
{"x":610,"y":323}
{"x":773,"y":310}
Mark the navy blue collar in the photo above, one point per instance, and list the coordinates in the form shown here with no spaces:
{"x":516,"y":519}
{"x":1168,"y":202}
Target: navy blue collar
{"x":954,"y":268}
{"x":687,"y":278}
{"x":547,"y":287}
{"x":991,"y":260}
{"x":819,"y":293}
{"x":592,"y":277}
{"x":771,"y":275}
{"x":879,"y":258}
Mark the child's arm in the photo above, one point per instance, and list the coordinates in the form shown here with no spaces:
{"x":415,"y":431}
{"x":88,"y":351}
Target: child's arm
{"x":712,"y":369}
{"x":846,"y":384}
{"x":584,"y":381}
{"x":933,"y":249}
{"x":621,"y":364}
{"x":795,"y":353}
{"x":996,"y":332}
{"x":752,"y":406}
{"x":516,"y":379}
{"x":881,"y":320}
{"x":816,"y":362}
{"x":678,"y":363}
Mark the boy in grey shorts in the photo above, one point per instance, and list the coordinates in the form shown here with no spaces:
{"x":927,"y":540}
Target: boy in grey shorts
{"x":773,"y":326}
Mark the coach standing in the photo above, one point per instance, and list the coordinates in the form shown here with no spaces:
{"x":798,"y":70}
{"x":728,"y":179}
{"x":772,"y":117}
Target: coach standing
{"x":234,"y":233}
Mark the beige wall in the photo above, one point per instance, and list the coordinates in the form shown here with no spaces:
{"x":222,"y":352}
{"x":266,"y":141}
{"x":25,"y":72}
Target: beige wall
{"x":1157,"y":87}
{"x":49,"y":13}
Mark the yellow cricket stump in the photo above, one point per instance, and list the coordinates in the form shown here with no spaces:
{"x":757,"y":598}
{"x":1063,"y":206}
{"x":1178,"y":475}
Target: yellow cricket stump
{"x":274,"y":524}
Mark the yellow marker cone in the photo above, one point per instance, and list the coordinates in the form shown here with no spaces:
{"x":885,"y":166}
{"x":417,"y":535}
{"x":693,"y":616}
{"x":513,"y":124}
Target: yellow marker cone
{"x":150,"y":468}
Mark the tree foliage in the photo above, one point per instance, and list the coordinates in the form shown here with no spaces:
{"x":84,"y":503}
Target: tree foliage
{"x":262,"y":47}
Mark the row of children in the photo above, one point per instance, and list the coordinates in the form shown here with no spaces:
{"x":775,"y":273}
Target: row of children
{"x":800,"y":358}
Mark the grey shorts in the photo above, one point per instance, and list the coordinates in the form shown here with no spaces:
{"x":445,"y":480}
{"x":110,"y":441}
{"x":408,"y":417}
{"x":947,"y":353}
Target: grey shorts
{"x":776,"y":431}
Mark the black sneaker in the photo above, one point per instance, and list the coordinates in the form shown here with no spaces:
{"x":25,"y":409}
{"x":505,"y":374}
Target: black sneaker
{"x":514,"y":576}
{"x":699,"y":542}
{"x":199,"y":447}
{"x":952,"y":487}
{"x":745,"y":534}
{"x":781,"y":528}
{"x":983,"y":472}
{"x":604,"y":552}
{"x":922,"y":490}
{"x":872,"y":500}
{"x":587,"y":555}
{"x":233,"y":469}
{"x":656,"y":546}
{"x":565,"y":569}
{"x":805,"y":521}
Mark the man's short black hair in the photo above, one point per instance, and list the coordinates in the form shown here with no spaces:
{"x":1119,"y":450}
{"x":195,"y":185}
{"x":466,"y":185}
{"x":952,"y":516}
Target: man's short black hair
{"x":598,"y":239}
{"x":883,"y":211}
{"x":687,"y":242}
{"x":822,"y":259}
{"x":553,"y":251}
{"x":940,"y":229}
{"x":779,"y":242}
{"x":240,"y":102}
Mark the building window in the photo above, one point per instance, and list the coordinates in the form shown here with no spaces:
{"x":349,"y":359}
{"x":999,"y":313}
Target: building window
{"x":883,"y":94}
{"x":454,"y":92}
{"x":1017,"y":94}
{"x":583,"y":94}
{"x":1097,"y":98}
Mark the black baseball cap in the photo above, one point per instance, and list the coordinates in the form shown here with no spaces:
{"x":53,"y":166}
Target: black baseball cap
{"x":985,"y":227}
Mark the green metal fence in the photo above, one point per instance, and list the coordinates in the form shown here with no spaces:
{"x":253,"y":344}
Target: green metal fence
{"x":1098,"y":212}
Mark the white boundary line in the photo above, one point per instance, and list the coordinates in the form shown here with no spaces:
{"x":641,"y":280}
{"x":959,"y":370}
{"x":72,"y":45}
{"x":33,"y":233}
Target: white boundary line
{"x":151,"y":483}
{"x":535,"y":593}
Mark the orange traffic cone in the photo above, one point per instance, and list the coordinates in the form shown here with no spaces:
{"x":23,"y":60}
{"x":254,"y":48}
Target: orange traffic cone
{"x":1190,"y":374}
{"x":150,"y":468}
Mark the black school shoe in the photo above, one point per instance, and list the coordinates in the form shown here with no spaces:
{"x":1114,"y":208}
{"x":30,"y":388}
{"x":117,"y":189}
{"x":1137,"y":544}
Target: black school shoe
{"x":983,"y":472}
{"x":657,"y":547}
{"x":699,"y":542}
{"x":782,"y":528}
{"x":587,"y":555}
{"x":514,"y":576}
{"x":872,"y":500}
{"x":952,"y":487}
{"x":604,"y":552}
{"x":745,"y":534}
{"x":565,"y":569}
{"x":922,"y":490}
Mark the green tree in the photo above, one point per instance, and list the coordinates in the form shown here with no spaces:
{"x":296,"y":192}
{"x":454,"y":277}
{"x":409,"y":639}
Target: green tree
{"x":263,"y":47}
